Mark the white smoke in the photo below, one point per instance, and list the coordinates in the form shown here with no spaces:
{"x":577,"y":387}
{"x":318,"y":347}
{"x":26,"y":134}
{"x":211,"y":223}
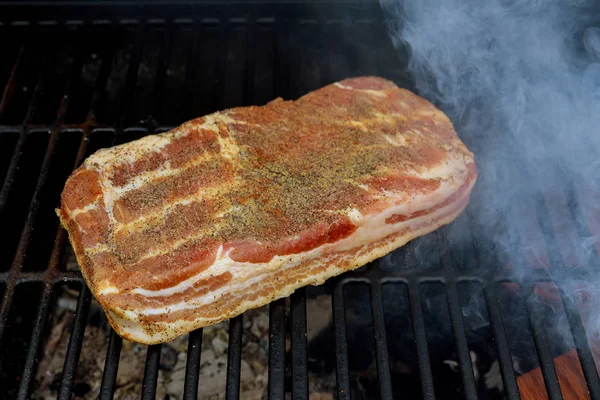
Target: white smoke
{"x":521,"y":82}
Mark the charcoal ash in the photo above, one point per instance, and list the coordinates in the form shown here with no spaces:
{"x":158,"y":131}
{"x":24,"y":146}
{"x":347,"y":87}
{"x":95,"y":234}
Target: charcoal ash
{"x":171,"y":374}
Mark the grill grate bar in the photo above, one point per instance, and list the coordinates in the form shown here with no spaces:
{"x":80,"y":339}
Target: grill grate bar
{"x":191,"y":77}
{"x":6,"y":302}
{"x":161,"y":69}
{"x":10,"y":84}
{"x":38,"y":88}
{"x":107,"y":54}
{"x":62,"y":276}
{"x":111,"y":366}
{"x":464,"y":357}
{"x":234,"y":358}
{"x":282,"y":66}
{"x":584,"y":352}
{"x":151,"y":372}
{"x":248,"y":93}
{"x":277,"y":350}
{"x":341,"y":343}
{"x":36,"y":340}
{"x":383,"y":365}
{"x":75,"y":342}
{"x":421,"y":341}
{"x":128,"y":93}
{"x":324,"y":64}
{"x":71,"y":84}
{"x":35,"y":202}
{"x":219,"y":88}
{"x":12,"y":170}
{"x":543,"y":351}
{"x":502,"y":350}
{"x":192,"y":367}
{"x":299,"y":345}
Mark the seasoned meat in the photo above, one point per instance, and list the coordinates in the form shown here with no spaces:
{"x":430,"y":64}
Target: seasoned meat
{"x":238,"y":208}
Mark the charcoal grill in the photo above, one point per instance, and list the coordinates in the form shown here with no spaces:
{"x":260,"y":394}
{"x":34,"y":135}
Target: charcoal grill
{"x":79,"y":77}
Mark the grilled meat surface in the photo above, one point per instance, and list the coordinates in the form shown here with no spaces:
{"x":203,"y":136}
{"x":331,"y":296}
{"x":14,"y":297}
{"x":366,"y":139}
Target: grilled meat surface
{"x":238,"y":208}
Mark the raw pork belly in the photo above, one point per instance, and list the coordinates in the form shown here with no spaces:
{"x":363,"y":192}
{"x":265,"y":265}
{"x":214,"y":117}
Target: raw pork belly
{"x":241,"y":207}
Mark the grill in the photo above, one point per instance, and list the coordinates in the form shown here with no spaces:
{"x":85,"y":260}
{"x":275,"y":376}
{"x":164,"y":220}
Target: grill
{"x":79,"y":78}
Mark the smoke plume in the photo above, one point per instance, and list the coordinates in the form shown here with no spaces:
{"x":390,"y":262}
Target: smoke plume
{"x":521,"y":82}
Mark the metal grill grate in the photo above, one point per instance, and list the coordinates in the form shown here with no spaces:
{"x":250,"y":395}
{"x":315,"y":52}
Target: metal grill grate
{"x":86,"y":80}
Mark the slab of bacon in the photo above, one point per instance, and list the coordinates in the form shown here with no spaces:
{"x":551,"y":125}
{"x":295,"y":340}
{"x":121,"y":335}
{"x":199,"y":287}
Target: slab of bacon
{"x":241,"y":207}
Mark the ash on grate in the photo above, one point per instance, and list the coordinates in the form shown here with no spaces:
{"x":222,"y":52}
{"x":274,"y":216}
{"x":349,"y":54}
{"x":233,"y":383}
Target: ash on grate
{"x":171,"y":376}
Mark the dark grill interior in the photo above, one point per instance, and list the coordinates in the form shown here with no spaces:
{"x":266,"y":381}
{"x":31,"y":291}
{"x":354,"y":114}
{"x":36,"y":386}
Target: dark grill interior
{"x":81,"y":78}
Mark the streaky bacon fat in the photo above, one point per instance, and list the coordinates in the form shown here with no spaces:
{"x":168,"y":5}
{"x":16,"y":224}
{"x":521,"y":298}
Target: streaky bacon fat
{"x":238,"y":208}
